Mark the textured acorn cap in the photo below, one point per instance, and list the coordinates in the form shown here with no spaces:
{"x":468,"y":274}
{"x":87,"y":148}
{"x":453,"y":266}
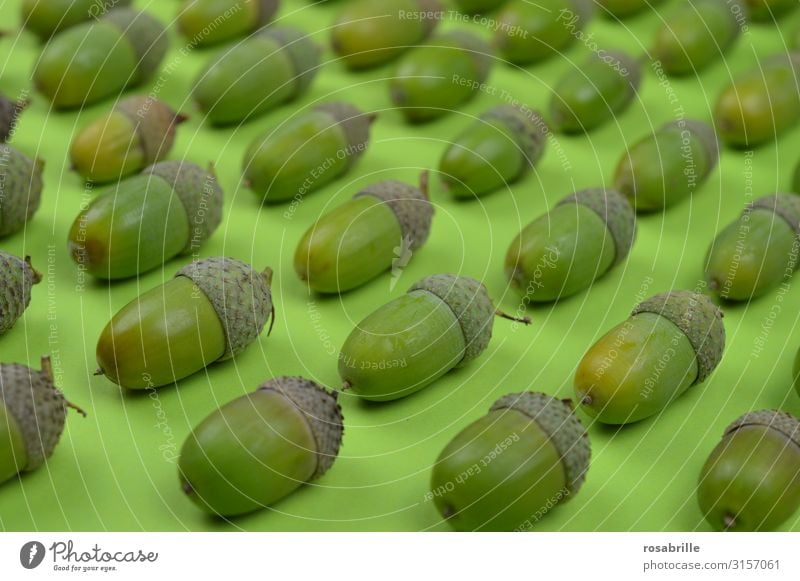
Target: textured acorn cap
{"x":155,"y":124}
{"x":787,"y":206}
{"x":200,"y":194}
{"x":321,"y":411}
{"x":698,"y":318}
{"x":21,"y":179}
{"x":9,"y":112}
{"x":705,"y":134}
{"x":429,"y":7}
{"x":147,"y":36}
{"x":37,"y":406}
{"x":478,"y":49}
{"x":527,"y":126}
{"x":303,"y":52}
{"x":410,"y":205}
{"x":782,"y":422}
{"x":355,"y":125}
{"x":240,"y":296}
{"x":615,"y":210}
{"x":556,"y":418}
{"x":266,"y":11}
{"x":17,"y":276}
{"x":470,"y":303}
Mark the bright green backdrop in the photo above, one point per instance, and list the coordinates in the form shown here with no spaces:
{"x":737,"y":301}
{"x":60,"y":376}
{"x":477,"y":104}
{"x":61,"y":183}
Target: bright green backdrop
{"x":115,"y":470}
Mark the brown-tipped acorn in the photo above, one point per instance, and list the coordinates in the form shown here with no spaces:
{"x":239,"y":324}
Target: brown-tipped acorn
{"x":539,"y":453}
{"x":139,"y":131}
{"x":211,"y":311}
{"x":671,"y":342}
{"x":379,"y":229}
{"x":209,"y":22}
{"x":17,"y":276}
{"x":751,"y":481}
{"x":443,"y":321}
{"x":20,"y":189}
{"x":9,"y":114}
{"x":260,"y":447}
{"x":32,"y":417}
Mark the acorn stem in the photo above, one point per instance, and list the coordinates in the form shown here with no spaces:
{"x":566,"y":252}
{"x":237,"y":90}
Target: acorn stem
{"x":76,"y":408}
{"x":37,"y":276}
{"x":524,"y":320}
{"x":371,"y":117}
{"x":271,"y":320}
{"x":346,"y":386}
{"x":99,"y":371}
{"x":180,"y":118}
{"x":424,"y":181}
{"x":47,"y":368}
{"x":267,"y":274}
{"x":586,"y":400}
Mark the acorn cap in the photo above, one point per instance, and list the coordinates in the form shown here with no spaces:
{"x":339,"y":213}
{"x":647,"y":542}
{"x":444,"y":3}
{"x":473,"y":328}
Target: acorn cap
{"x":37,"y":406}
{"x":21,"y":180}
{"x":478,"y":49}
{"x":147,"y":36}
{"x":470,"y":303}
{"x":527,"y":126}
{"x":705,"y":134}
{"x":556,"y":418}
{"x":321,"y":411}
{"x":200,"y":194}
{"x":410,"y":205}
{"x":787,"y":206}
{"x":303,"y":52}
{"x":427,"y":7}
{"x":155,"y":124}
{"x":17,"y":276}
{"x":777,"y":420}
{"x":354,"y":123}
{"x":266,"y":11}
{"x":615,"y":210}
{"x":698,"y":318}
{"x":240,"y":296}
{"x":9,"y":112}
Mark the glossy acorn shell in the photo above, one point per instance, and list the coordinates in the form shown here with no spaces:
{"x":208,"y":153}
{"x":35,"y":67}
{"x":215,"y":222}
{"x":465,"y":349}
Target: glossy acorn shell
{"x":13,"y":455}
{"x":45,"y":18}
{"x":209,"y":22}
{"x":620,"y":9}
{"x":21,"y":179}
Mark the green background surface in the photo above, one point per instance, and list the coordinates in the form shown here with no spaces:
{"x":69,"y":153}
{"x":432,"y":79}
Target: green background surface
{"x":115,"y":470}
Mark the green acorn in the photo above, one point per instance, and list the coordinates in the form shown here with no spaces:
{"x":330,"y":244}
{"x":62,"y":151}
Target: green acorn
{"x":9,"y":113}
{"x":498,"y":149}
{"x":96,"y":60}
{"x":506,"y":470}
{"x":621,"y":9}
{"x":759,"y":104}
{"x":757,"y":251}
{"x":667,"y":166}
{"x":529,"y":32}
{"x":208,"y":22}
{"x":477,"y":6}
{"x":45,"y":18}
{"x":440,"y":76}
{"x":32,"y":417}
{"x":17,"y":276}
{"x":261,"y":447}
{"x":566,"y":250}
{"x":144,"y":221}
{"x":443,"y":321}
{"x":671,"y":342}
{"x":211,"y":311}
{"x":796,"y":180}
{"x":368,"y":34}
{"x":139,"y":131}
{"x":596,"y":92}
{"x":20,"y":189}
{"x":379,"y":229}
{"x":751,"y":481}
{"x":770,"y":10}
{"x":306,"y":152}
{"x":692,"y":38}
{"x":270,"y":68}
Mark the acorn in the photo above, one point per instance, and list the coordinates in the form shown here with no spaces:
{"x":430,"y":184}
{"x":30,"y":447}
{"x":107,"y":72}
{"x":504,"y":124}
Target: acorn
{"x":671,"y":342}
{"x":139,"y":131}
{"x":261,"y":447}
{"x":440,"y":76}
{"x":32,"y":417}
{"x":144,"y":221}
{"x":505,"y":471}
{"x":761,"y":103}
{"x":367,"y":34}
{"x":444,"y":321}
{"x":306,"y":151}
{"x":270,"y":68}
{"x":692,"y":38}
{"x":9,"y":114}
{"x":758,"y":251}
{"x":621,"y":9}
{"x":668,"y":165}
{"x":17,"y":276}
{"x":565,"y":250}
{"x":596,"y":92}
{"x":477,"y":6}
{"x":96,"y":60}
{"x":751,"y":481}
{"x":377,"y":230}
{"x":209,"y":22}
{"x":498,"y":149}
{"x":20,"y":189}
{"x":530,"y":32}
{"x":45,"y":18}
{"x":211,"y":311}
{"x":796,"y":180}
{"x":770,"y":10}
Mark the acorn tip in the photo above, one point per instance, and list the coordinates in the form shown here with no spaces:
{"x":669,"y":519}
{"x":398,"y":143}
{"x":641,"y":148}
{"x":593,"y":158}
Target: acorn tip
{"x":99,"y":371}
{"x":47,"y":367}
{"x":180,"y":118}
{"x":370,"y":117}
{"x":729,"y":521}
{"x":424,"y":183}
{"x":37,"y":276}
{"x":346,"y":386}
